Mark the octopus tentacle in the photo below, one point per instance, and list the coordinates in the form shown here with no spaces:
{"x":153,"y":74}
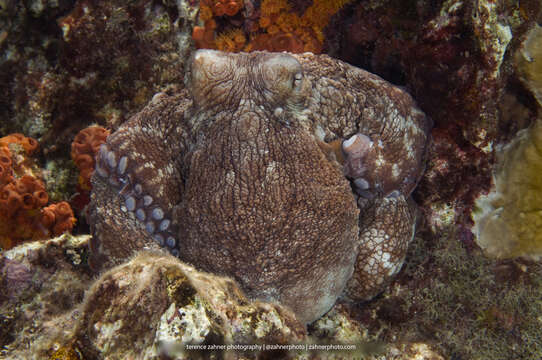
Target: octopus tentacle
{"x":145,"y":188}
{"x":384,"y":140}
{"x":387,"y":229}
{"x":150,"y":214}
{"x":349,"y":103}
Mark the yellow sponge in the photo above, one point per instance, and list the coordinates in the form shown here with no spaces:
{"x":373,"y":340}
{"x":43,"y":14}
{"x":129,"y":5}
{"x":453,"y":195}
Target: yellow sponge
{"x":508,"y":221}
{"x":529,"y":62}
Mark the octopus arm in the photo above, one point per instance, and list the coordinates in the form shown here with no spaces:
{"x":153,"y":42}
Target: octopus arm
{"x":138,"y":179}
{"x":387,"y":227}
{"x":347,"y":101}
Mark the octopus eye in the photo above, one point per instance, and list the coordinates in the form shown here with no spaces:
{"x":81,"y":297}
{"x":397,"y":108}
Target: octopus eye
{"x":281,"y":69}
{"x":297,"y":80}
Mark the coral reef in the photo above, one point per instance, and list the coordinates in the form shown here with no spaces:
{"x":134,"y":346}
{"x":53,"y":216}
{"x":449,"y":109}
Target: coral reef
{"x":491,"y":305}
{"x":23,"y":196}
{"x":248,"y":164}
{"x":85,"y":146}
{"x":451,"y":55}
{"x":71,"y":64}
{"x":274,"y":26}
{"x":153,"y":306}
{"x":455,"y":57}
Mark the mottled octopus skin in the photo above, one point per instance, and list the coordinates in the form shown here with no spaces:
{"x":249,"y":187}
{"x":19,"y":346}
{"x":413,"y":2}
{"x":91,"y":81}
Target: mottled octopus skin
{"x":237,"y":175}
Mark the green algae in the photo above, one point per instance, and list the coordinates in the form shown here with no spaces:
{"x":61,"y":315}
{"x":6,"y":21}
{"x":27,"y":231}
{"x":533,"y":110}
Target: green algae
{"x":471,"y":306}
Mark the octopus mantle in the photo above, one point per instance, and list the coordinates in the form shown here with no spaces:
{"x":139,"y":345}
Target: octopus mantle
{"x":290,"y":173}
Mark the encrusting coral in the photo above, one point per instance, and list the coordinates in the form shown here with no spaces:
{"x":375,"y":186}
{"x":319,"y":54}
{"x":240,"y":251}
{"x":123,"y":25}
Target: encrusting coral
{"x":23,"y":196}
{"x":277,"y":28}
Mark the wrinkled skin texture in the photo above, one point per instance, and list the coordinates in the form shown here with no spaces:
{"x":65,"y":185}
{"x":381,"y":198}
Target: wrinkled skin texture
{"x":252,"y":172}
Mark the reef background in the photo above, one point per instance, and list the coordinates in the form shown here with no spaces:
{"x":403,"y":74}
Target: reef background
{"x":66,"y":65}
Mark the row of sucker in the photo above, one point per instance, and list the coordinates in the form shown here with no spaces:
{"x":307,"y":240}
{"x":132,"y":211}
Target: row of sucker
{"x":150,"y":216}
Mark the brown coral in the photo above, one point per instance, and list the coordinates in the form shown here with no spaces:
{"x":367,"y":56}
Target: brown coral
{"x":84,"y":148}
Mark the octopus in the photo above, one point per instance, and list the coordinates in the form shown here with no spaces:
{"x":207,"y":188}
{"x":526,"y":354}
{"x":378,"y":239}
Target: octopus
{"x":290,"y":173}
